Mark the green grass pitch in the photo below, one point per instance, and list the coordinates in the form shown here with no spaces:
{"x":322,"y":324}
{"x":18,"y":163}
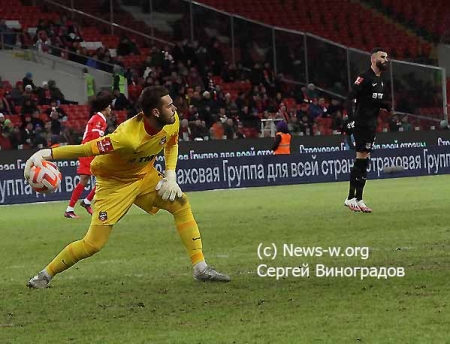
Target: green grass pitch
{"x":139,"y":288}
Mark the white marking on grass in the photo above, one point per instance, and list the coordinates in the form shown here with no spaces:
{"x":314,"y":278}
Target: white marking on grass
{"x":16,"y":267}
{"x":230,"y":189}
{"x":112,"y":261}
{"x":33,"y":203}
{"x":64,"y":201}
{"x":66,"y":277}
{"x":401,"y":248}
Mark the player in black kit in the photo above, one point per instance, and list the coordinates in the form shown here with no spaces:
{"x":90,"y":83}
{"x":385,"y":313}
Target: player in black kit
{"x":367,"y":97}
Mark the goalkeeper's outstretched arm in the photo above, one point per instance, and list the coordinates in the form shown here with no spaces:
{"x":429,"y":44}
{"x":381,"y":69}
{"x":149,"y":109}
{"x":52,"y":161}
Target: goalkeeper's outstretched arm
{"x":91,"y":148}
{"x":72,"y":151}
{"x":58,"y":153}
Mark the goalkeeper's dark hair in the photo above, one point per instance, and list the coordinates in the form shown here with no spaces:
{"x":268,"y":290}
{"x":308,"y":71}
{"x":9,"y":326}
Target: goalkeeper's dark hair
{"x":150,"y":99}
{"x":101,"y":101}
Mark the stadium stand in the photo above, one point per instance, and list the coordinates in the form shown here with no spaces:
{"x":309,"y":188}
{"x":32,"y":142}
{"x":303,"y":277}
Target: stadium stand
{"x":427,"y":18}
{"x":344,"y":22}
{"x":246,"y":94}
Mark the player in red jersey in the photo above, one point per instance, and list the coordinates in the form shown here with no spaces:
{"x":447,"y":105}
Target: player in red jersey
{"x":95,"y":128}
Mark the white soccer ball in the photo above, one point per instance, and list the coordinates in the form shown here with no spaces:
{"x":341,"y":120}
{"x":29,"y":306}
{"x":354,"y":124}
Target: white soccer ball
{"x":45,"y":178}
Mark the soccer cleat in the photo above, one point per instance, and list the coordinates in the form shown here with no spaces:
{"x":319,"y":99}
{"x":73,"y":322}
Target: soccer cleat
{"x":71,"y":215}
{"x":352,"y":204}
{"x":87,"y":207}
{"x":364,"y":208}
{"x":211,"y":275}
{"x":40,"y":281}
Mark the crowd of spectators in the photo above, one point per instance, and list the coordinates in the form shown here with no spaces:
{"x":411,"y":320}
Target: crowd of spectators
{"x":206,"y":112}
{"x":24,"y":100}
{"x":198,"y":77}
{"x":34,"y":117}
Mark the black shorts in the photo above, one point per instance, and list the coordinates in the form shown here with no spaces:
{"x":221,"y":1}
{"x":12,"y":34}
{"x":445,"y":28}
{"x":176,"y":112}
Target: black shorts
{"x":364,"y":139}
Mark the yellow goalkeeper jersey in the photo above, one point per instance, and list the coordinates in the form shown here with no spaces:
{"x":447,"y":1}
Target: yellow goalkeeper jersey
{"x":129,"y":152}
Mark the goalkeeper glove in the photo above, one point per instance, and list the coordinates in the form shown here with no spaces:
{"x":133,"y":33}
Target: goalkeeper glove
{"x":36,"y":160}
{"x":168,"y":188}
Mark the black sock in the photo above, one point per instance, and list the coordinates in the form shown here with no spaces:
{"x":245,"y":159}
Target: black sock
{"x":360,"y":189}
{"x":352,"y":188}
{"x":361,"y":165}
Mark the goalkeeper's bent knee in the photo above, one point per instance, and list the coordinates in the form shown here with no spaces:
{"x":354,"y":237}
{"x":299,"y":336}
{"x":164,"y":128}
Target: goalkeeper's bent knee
{"x":96,"y":237}
{"x":90,"y":248}
{"x":178,"y":204}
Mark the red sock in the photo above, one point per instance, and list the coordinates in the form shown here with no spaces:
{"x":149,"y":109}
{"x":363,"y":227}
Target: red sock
{"x":91,"y":194}
{"x":76,"y":194}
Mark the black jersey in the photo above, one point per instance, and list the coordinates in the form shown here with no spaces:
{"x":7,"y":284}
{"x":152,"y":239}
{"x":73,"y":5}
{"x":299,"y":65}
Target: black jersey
{"x":368,"y":90}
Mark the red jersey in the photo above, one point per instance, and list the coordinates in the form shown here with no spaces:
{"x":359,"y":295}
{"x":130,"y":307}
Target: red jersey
{"x":95,"y":128}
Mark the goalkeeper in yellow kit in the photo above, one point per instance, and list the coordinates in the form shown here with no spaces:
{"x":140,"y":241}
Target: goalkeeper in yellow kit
{"x":125,"y":172}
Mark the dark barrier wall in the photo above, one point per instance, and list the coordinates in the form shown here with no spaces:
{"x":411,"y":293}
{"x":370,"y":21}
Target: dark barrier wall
{"x":257,"y":170}
{"x":250,"y":147}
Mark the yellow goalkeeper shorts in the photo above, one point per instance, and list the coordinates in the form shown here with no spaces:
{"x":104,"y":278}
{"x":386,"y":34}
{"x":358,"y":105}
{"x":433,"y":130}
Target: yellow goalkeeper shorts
{"x":113,"y":198}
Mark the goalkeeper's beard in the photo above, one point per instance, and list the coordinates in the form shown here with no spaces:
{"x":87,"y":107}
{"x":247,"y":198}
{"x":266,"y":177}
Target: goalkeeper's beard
{"x":162,"y":123}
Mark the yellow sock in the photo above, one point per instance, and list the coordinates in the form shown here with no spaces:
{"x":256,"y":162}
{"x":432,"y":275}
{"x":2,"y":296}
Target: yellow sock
{"x":70,"y":255}
{"x":190,"y":235}
{"x":94,"y":240}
